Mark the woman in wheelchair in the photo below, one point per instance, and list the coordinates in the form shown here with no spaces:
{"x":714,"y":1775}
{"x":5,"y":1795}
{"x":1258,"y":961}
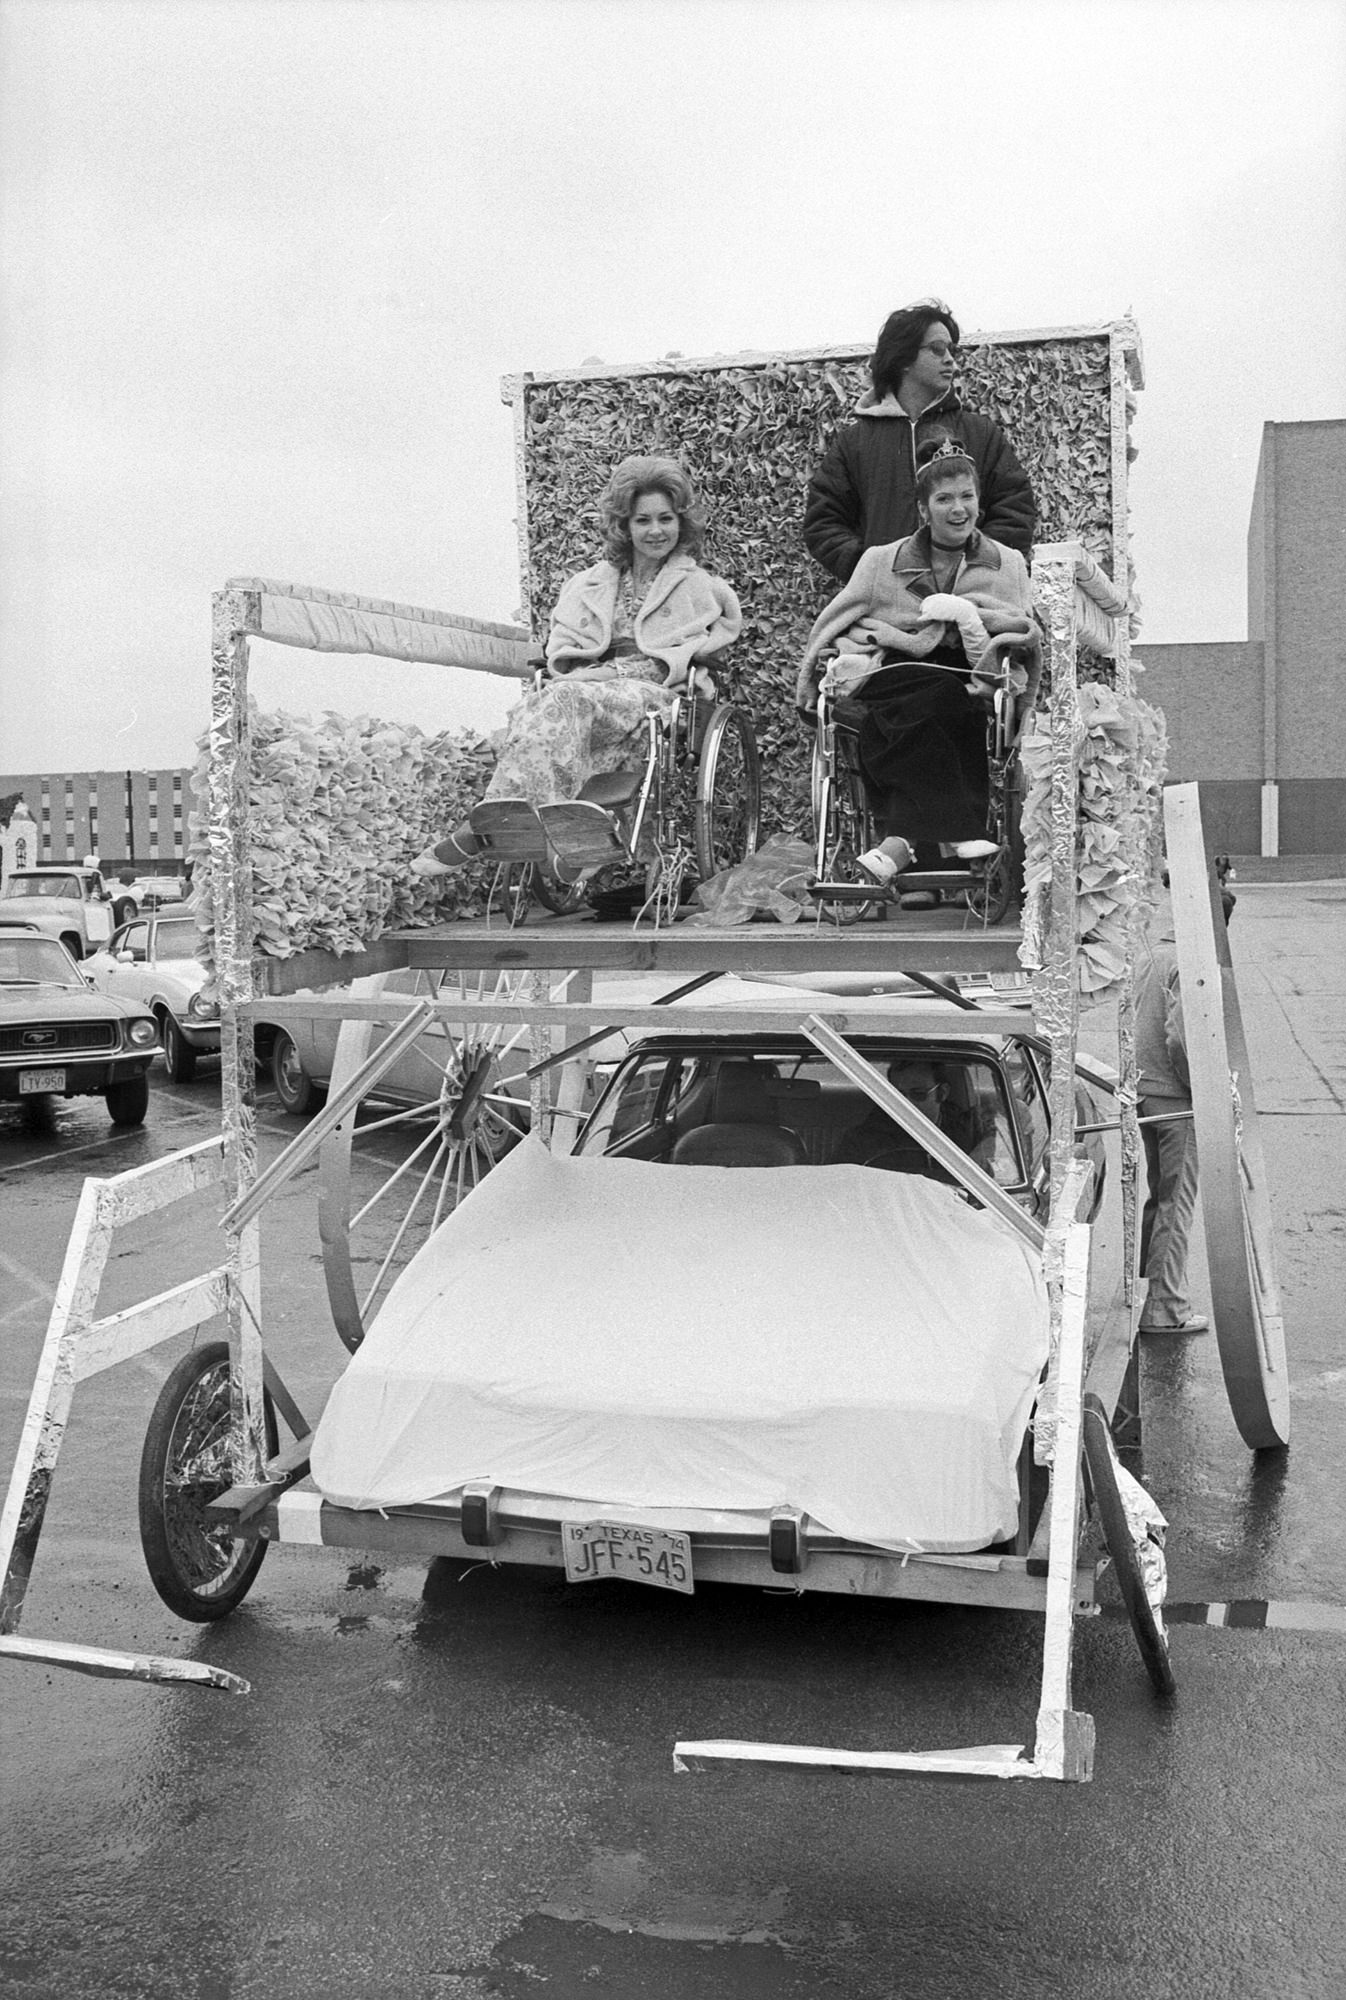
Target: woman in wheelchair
{"x":906,"y":636}
{"x":626,"y":635}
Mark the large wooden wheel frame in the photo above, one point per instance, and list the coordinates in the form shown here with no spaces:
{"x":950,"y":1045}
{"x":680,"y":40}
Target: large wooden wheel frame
{"x":1240,"y":1236}
{"x":389,"y":1177}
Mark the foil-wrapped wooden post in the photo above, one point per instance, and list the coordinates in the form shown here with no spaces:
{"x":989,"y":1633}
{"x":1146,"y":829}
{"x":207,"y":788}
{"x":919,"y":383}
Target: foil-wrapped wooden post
{"x":1126,"y":370}
{"x":1056,"y":977}
{"x":236,"y":612}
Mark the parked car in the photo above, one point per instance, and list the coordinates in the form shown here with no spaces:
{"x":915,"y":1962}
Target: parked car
{"x":152,"y":961}
{"x":72,"y":905}
{"x":60,"y":1038}
{"x":302,"y":1054}
{"x":153,"y":892}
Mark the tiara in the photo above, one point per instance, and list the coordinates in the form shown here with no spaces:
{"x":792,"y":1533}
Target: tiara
{"x":946,"y":449}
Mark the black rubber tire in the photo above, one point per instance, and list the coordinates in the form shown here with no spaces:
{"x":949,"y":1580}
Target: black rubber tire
{"x":1117,"y":1536}
{"x":728,"y":793}
{"x":298,"y":1093}
{"x":201,"y":1571}
{"x":179,"y":1055}
{"x":563,"y":899}
{"x":74,"y":944}
{"x":128,"y":1101}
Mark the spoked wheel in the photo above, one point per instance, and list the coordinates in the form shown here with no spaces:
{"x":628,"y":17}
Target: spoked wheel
{"x":199,"y":1567}
{"x":841,"y":816}
{"x":1150,"y":1637}
{"x":393,"y":1169}
{"x":728,"y":793}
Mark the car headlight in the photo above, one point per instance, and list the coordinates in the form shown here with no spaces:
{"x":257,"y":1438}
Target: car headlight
{"x":201,"y":1008}
{"x":142,"y":1034}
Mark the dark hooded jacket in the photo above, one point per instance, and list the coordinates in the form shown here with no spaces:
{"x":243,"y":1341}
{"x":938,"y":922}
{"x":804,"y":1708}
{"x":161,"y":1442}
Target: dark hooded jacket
{"x":864,"y":492}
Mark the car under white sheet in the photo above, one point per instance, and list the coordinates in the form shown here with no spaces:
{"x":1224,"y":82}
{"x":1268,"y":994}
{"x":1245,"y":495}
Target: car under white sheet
{"x":645,"y":1342}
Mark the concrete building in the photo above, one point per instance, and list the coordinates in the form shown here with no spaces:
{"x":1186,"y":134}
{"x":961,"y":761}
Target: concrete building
{"x":137,"y":817}
{"x":1261,"y":722}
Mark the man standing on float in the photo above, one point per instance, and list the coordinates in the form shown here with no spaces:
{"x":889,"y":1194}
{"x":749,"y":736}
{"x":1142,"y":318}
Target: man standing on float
{"x":864,"y":492}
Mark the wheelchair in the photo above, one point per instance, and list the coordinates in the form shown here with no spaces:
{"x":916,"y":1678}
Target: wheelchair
{"x":690,"y":809}
{"x":845,"y":827}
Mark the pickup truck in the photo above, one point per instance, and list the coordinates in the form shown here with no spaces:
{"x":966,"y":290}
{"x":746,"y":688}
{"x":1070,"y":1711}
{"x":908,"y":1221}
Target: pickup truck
{"x":71,"y":904}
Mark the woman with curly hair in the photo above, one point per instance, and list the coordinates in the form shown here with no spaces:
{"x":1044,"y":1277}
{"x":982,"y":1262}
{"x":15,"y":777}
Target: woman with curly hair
{"x":625,"y":635}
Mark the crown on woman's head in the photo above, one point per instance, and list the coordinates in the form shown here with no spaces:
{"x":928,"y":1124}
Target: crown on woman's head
{"x":946,"y":448}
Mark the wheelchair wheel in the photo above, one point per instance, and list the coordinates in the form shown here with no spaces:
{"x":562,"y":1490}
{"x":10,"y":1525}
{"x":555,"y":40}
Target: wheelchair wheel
{"x":843,"y":830}
{"x":526,"y":882}
{"x":728,"y":793}
{"x":995,"y":893}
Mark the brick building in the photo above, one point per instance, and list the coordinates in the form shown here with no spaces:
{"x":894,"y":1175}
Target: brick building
{"x":1261,"y":721}
{"x":123,"y":817}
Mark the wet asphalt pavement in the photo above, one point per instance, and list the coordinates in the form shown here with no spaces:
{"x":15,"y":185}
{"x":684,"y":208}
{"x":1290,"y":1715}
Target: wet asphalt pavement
{"x":458,"y":1782}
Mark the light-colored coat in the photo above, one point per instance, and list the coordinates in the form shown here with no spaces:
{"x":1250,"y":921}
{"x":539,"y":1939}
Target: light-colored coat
{"x":687,"y":615}
{"x":893,"y":583}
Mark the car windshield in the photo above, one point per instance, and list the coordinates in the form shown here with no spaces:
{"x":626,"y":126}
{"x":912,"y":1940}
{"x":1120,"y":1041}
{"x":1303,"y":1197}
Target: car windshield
{"x":177,"y":940}
{"x":660,"y":1096}
{"x":34,"y":961}
{"x":43,"y":885}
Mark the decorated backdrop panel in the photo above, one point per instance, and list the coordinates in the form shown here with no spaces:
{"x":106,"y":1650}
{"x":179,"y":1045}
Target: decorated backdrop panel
{"x":750,"y":433}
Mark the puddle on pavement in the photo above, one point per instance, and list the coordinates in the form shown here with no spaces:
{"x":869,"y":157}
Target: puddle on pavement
{"x":582,"y":1956}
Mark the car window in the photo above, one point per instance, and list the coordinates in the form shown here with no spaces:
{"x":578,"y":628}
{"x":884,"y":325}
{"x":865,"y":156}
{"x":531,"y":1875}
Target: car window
{"x":44,"y":885}
{"x":1030,"y":1104}
{"x":26,"y":960}
{"x":175,"y":940}
{"x":136,"y":940}
{"x":634,"y":1099}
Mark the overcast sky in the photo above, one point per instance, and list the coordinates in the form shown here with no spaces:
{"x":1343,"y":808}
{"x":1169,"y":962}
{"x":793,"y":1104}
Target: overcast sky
{"x":265,"y":262}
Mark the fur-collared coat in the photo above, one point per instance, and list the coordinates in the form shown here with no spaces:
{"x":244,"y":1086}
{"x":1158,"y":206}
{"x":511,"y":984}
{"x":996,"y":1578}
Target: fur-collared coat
{"x":687,"y":615}
{"x":897,"y":584}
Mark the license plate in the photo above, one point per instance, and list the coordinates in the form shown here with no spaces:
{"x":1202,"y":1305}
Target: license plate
{"x":38,"y":1082}
{"x":596,"y":1549}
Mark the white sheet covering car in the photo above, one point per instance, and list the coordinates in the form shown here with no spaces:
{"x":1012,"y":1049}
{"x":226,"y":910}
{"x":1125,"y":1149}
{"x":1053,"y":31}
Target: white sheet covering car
{"x":641,"y":1335}
{"x":625,"y":1335}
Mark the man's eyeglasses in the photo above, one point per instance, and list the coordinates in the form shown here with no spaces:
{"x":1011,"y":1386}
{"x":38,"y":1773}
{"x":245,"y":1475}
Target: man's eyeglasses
{"x":940,"y":347}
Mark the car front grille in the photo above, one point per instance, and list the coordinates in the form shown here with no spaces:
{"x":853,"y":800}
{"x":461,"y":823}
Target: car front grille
{"x":36,"y":1040}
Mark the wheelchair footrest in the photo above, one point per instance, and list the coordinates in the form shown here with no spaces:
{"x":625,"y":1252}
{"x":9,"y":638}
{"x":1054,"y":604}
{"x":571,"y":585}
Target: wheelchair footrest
{"x":509,"y":830}
{"x":582,"y":834}
{"x":853,"y":892}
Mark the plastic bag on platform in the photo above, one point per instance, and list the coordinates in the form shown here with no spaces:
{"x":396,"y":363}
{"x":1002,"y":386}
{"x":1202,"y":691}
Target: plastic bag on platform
{"x":774,"y":882}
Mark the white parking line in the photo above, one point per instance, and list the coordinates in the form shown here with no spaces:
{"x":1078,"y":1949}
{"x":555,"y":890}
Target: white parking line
{"x":38,"y":1288}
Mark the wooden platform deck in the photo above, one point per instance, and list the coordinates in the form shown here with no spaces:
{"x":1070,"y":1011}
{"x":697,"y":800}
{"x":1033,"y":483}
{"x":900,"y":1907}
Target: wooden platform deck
{"x":928,"y":941}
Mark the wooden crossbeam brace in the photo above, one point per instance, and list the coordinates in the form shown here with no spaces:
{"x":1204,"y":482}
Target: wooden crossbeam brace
{"x":301,"y":1150}
{"x":78,"y":1346}
{"x":106,"y":1664}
